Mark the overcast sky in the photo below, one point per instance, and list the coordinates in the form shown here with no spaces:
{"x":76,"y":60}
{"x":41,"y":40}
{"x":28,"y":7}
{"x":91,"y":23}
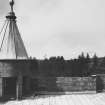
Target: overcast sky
{"x":60,"y":27}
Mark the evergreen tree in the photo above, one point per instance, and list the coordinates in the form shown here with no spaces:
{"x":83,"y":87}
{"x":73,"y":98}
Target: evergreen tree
{"x":81,"y":64}
{"x":95,"y":64}
{"x":87,"y":63}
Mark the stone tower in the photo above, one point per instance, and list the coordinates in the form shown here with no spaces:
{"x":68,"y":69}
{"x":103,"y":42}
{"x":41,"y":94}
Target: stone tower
{"x":14,"y":62}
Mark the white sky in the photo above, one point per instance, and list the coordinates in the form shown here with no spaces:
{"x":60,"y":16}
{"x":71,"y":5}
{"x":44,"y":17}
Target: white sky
{"x":60,"y":27}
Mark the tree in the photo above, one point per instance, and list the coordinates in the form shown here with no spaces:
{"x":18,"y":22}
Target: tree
{"x":87,"y":66}
{"x":87,"y":57}
{"x":81,"y":64}
{"x":95,"y":60}
{"x":94,"y":64}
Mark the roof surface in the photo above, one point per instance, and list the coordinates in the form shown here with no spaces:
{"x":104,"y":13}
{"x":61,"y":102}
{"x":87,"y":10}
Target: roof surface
{"x":11,"y":43}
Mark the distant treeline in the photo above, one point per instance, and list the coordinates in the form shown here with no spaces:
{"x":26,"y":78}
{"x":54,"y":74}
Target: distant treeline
{"x":82,"y":66}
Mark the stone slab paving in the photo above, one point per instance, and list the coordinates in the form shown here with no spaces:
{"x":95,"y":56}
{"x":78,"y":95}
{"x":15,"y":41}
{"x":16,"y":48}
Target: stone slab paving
{"x":74,"y":99}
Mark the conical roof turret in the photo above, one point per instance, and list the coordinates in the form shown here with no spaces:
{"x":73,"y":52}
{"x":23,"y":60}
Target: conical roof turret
{"x":12,"y":46}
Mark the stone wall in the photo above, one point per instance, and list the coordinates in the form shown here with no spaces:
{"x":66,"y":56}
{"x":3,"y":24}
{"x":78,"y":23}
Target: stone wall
{"x":64,"y":84}
{"x":11,"y":68}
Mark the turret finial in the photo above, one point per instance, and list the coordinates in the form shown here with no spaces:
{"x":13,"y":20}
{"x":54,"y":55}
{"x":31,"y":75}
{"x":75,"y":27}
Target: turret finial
{"x":11,"y":4}
{"x":11,"y":14}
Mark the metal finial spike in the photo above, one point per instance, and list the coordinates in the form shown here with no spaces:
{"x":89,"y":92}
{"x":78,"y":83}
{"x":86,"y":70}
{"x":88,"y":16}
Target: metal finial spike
{"x":11,"y":4}
{"x":11,"y":14}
